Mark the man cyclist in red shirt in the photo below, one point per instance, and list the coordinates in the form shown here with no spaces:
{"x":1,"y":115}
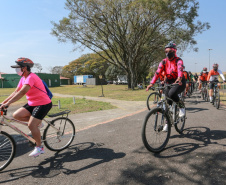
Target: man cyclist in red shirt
{"x":173,"y":67}
{"x":38,"y":104}
{"x":213,"y":77}
{"x":202,"y":77}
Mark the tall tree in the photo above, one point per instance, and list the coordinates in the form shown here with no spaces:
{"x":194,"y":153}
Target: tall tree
{"x":131,"y":33}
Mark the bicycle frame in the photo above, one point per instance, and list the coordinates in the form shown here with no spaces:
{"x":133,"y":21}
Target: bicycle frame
{"x":5,"y":121}
{"x":165,"y":106}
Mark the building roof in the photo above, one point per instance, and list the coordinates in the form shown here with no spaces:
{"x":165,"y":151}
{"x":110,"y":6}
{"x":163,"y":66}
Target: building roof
{"x":64,"y":78}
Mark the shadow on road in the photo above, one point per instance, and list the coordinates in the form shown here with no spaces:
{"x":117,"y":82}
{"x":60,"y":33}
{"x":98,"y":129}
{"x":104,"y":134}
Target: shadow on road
{"x":203,"y":135}
{"x":53,"y":166}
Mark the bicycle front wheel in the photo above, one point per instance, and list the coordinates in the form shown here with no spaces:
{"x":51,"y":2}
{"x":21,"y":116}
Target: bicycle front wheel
{"x":7,"y":149}
{"x":153,"y":99}
{"x":153,"y":136}
{"x":179,"y":122}
{"x":217,"y":100}
{"x":59,"y":134}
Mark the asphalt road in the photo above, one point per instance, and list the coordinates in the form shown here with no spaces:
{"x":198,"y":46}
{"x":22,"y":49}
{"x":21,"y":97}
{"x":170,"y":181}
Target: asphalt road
{"x":112,"y":152}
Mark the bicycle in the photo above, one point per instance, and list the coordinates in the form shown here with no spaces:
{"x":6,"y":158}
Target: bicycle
{"x":216,"y":95}
{"x":153,"y":98}
{"x":204,"y":91}
{"x":57,"y":136}
{"x":153,"y":136}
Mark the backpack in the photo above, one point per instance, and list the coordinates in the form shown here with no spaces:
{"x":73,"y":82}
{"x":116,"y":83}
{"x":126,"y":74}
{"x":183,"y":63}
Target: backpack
{"x":48,"y":92}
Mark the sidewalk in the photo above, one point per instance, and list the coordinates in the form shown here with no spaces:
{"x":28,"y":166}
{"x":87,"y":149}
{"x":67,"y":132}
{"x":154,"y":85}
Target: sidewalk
{"x":90,"y":119}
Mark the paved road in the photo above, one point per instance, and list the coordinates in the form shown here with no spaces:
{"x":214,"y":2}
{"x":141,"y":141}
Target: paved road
{"x":113,"y":153}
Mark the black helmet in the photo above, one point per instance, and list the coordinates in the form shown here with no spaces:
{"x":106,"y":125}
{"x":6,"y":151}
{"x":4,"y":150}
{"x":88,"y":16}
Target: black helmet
{"x":171,"y":45}
{"x":22,"y":62}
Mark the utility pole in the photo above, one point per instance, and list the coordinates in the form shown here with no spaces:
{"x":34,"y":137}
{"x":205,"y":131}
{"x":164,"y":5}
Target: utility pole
{"x":209,"y":58}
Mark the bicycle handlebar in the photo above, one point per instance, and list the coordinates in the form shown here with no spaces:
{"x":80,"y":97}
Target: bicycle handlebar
{"x":4,"y":110}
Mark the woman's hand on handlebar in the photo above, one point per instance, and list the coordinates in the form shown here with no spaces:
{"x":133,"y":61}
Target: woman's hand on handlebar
{"x":4,"y":106}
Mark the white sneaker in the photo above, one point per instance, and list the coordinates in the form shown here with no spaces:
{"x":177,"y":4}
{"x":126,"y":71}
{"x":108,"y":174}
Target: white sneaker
{"x":40,"y":126}
{"x":211,"y":99}
{"x":181,"y":112}
{"x":37,"y":151}
{"x":165,"y":128}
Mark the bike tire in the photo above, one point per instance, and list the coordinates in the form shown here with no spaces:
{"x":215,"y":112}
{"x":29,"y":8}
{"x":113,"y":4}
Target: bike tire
{"x":217,"y":100}
{"x":153,"y":136}
{"x":7,"y":149}
{"x":153,"y":99}
{"x":55,"y":140}
{"x":180,"y":122}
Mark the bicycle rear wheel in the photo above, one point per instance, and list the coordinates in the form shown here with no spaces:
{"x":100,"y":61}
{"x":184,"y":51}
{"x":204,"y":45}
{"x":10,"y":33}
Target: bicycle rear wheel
{"x":153,"y":136}
{"x":180,"y":122}
{"x":153,"y":99}
{"x":7,"y":149}
{"x":217,"y":100}
{"x":57,"y":140}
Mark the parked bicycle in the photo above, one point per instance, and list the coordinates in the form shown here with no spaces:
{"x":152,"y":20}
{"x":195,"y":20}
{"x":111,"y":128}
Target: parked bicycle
{"x":57,"y":136}
{"x":154,"y":137}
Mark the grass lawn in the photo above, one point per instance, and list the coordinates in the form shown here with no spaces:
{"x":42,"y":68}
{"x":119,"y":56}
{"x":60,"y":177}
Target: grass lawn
{"x":119,"y":92}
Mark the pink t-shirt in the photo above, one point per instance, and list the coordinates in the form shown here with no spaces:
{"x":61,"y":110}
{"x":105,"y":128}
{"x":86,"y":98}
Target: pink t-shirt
{"x":35,"y":96}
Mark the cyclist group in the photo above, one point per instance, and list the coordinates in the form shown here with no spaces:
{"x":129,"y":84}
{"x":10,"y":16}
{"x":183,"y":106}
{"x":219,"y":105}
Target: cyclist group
{"x":171,"y":70}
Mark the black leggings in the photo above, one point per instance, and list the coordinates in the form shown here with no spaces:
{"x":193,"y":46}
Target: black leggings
{"x":172,"y":92}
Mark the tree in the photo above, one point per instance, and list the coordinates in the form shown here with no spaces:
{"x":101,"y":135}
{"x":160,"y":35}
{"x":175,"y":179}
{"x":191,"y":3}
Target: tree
{"x":131,"y":33}
{"x":91,"y":64}
{"x":38,"y":67}
{"x":57,"y":70}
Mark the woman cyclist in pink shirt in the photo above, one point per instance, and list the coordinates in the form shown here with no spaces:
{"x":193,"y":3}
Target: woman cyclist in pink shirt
{"x":38,"y":104}
{"x":173,"y":67}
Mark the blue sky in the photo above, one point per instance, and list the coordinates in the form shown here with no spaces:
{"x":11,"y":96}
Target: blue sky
{"x":26,"y":26}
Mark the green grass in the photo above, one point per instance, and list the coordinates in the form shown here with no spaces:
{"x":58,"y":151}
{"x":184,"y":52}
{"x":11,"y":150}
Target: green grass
{"x":80,"y":106}
{"x":119,"y":92}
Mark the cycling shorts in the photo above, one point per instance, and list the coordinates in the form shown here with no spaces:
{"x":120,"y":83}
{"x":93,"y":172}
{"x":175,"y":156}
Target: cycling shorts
{"x":212,"y":84}
{"x":40,"y":111}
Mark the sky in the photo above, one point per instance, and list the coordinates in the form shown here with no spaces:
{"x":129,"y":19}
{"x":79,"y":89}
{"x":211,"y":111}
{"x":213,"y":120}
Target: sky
{"x":25,"y":27}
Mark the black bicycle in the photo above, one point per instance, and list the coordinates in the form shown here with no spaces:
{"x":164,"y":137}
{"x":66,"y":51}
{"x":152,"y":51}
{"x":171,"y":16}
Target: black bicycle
{"x":154,"y":137}
{"x":153,"y":98}
{"x":216,"y":95}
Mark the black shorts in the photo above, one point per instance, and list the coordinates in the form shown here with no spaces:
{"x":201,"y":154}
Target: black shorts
{"x":40,"y":111}
{"x":212,"y":84}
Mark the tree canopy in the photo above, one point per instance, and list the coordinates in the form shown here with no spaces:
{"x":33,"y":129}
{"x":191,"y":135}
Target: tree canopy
{"x":130,"y":34}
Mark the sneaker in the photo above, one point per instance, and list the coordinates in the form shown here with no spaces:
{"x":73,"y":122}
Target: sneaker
{"x":40,"y":126}
{"x":165,"y":128}
{"x":181,"y":112}
{"x":211,"y":99}
{"x":37,"y":151}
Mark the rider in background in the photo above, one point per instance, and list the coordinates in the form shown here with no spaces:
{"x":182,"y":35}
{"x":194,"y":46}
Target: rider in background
{"x":213,"y":77}
{"x":38,"y":104}
{"x":192,"y":80}
{"x":187,"y":78}
{"x":162,"y":79}
{"x":202,"y":77}
{"x":172,"y":65}
{"x":196,"y":77}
